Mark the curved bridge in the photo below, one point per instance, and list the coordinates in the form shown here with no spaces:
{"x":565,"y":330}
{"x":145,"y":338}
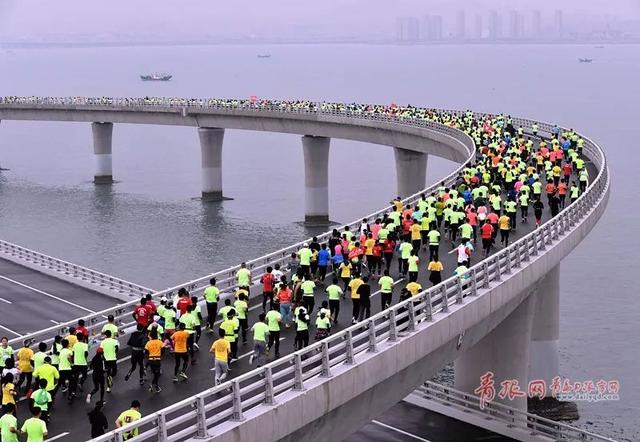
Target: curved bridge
{"x":500,"y":316}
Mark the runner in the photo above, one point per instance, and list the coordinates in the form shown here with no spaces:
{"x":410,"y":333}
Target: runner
{"x":308,"y":298}
{"x":274,"y":319}
{"x":221,"y":349}
{"x":97,"y":375}
{"x":49,"y":373}
{"x":302,"y":328}
{"x":136,"y":343}
{"x":129,"y":416}
{"x":505,"y":226}
{"x":34,"y":427}
{"x":25,"y":365}
{"x":242,"y":308}
{"x":211,"y":296}
{"x":323,"y":325}
{"x":80,"y":368}
{"x":230,"y":327}
{"x":41,"y":399}
{"x":260,"y":336}
{"x":153,"y":349}
{"x":268,"y":282}
{"x":9,"y":425}
{"x":180,"y":353}
{"x":243,"y":276}
{"x":110,"y":349}
{"x":355,"y":298}
{"x":386,"y":284}
{"x":98,"y":420}
{"x":334,"y":293}
{"x":364,"y":290}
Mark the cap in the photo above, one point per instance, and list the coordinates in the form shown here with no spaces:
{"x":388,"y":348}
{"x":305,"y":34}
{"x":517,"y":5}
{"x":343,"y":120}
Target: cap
{"x":305,"y":245}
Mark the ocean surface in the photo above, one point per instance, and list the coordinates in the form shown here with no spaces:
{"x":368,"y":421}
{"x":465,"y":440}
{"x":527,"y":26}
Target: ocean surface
{"x":151,"y":228}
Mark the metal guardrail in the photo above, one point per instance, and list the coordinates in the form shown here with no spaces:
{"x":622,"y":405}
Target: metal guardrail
{"x":226,"y":280}
{"x":65,"y":269}
{"x":511,"y":417}
{"x":202,"y":414}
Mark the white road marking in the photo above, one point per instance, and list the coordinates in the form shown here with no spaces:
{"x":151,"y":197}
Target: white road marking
{"x":5,"y":300}
{"x":55,"y":322}
{"x":47,"y":294}
{"x":9,"y":330}
{"x":59,"y":436}
{"x":397,"y":430}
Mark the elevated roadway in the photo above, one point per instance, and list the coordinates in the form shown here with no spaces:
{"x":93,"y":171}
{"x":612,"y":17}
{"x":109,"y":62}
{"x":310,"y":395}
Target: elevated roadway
{"x":485,"y":320}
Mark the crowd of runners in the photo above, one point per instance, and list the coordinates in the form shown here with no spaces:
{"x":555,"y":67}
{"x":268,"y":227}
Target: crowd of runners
{"x":514,"y":175}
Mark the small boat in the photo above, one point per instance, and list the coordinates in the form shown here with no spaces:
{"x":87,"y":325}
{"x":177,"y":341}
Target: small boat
{"x":156,"y":77}
{"x":585,"y":60}
{"x":599,"y":47}
{"x":264,"y":55}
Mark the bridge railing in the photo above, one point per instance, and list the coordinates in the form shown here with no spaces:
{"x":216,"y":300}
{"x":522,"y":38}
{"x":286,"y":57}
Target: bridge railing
{"x":66,"y":270}
{"x":534,"y":425}
{"x":217,"y":409}
{"x":226,"y":279}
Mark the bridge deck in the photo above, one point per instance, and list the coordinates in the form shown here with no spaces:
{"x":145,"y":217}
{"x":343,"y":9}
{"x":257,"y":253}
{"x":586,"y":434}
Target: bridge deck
{"x":30,"y":300}
{"x":201,"y":376}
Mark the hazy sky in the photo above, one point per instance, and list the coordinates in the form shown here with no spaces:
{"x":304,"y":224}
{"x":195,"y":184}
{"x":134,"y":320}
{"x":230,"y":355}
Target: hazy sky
{"x":188,"y":17}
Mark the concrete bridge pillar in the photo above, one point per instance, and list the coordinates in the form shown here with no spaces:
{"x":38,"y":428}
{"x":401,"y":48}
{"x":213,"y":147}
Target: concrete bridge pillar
{"x":503,"y":352}
{"x":102,"y":142}
{"x":211,"y":146}
{"x":544,"y":358}
{"x":411,"y":171}
{"x":316,"y":179}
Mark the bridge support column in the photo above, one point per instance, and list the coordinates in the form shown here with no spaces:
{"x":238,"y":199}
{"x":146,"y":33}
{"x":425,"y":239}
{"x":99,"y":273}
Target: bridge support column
{"x":211,"y":146}
{"x":316,"y":179}
{"x":504,"y":352}
{"x":411,"y":171}
{"x":544,"y":358}
{"x":102,"y":141}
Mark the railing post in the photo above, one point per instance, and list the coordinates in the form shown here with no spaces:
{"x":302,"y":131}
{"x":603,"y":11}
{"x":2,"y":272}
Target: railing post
{"x":496,"y":259}
{"x":444,"y":298}
{"x":393,"y":328}
{"x":543,"y":234}
{"x":298,"y":384}
{"x":326,"y":370}
{"x":201,"y":416}
{"x":459,"y":290}
{"x":349,"y":348}
{"x":508,"y":262}
{"x":428,"y":302}
{"x":534,"y":246}
{"x":373,"y":346}
{"x":162,"y":427}
{"x":269,"y":396}
{"x":518,"y":257}
{"x":411,"y":311}
{"x":474,"y":282}
{"x":485,"y":274}
{"x":237,"y":402}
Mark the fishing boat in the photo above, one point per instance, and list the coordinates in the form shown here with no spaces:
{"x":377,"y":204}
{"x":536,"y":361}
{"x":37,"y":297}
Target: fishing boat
{"x":585,"y":60}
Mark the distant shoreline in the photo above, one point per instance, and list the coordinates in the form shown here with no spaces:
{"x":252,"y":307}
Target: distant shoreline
{"x":72,"y":45}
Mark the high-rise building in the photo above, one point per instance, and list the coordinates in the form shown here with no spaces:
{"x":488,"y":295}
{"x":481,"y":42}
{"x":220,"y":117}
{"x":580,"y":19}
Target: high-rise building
{"x":477,"y":28}
{"x":515,"y":25}
{"x":536,"y":24}
{"x":495,"y":25}
{"x":558,"y":25}
{"x":436,"y":27}
{"x":407,"y":29}
{"x":461,"y":26}
{"x":425,"y":28}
